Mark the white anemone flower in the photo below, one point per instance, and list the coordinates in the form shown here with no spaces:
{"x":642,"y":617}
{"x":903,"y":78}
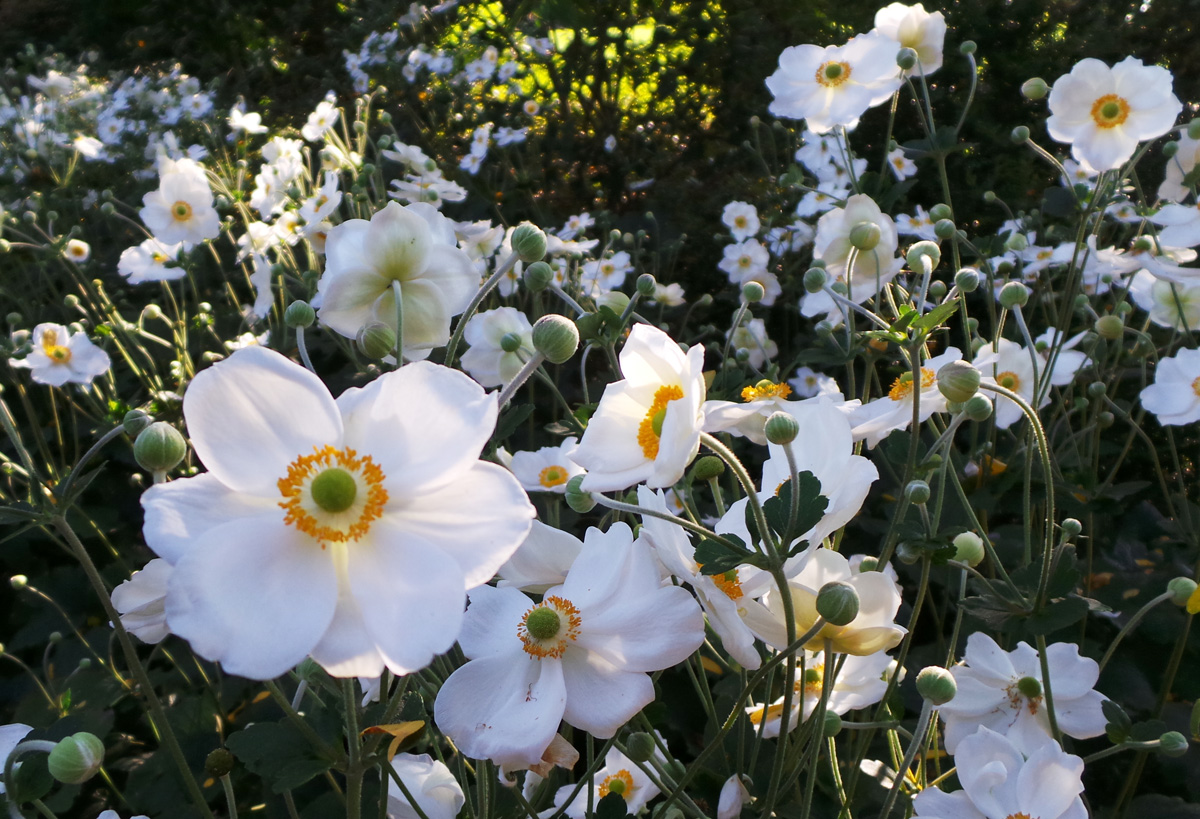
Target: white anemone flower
{"x":77,"y":251}
{"x":748,"y":418}
{"x":1103,"y":112}
{"x":835,"y":85}
{"x":875,"y":420}
{"x":60,"y":357}
{"x":547,"y":469}
{"x":436,"y":791}
{"x":915,"y":28}
{"x":542,"y":561}
{"x":1174,"y":397}
{"x":647,"y":426}
{"x":1179,"y":166}
{"x":348,"y":530}
{"x":1000,"y":782}
{"x":862,"y":271}
{"x":413,"y":246}
{"x":141,"y":599}
{"x":181,"y":208}
{"x":150,"y":262}
{"x":742,"y":220}
{"x":1168,"y":303}
{"x":501,"y":341}
{"x":1010,"y":365}
{"x":582,"y":654}
{"x":858,"y":682}
{"x":620,"y":776}
{"x":1004,"y":691}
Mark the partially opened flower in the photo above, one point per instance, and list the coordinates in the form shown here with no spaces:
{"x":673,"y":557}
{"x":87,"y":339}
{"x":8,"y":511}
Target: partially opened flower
{"x":1103,"y":113}
{"x":915,"y":28}
{"x":60,"y":357}
{"x":437,"y":793}
{"x":1174,"y":397}
{"x":141,"y":601}
{"x":347,"y":530}
{"x":501,"y":342}
{"x":1169,"y":304}
{"x":864,"y":270}
{"x":547,"y":469}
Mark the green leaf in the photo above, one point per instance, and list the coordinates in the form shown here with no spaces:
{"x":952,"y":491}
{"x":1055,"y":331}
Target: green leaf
{"x":510,"y":419}
{"x":812,"y":505}
{"x":716,"y":558}
{"x":1148,"y":731}
{"x":278,"y":753}
{"x":1118,"y":721}
{"x":1057,"y":615}
{"x":612,"y":806}
{"x":933,"y":319}
{"x":32,"y":780}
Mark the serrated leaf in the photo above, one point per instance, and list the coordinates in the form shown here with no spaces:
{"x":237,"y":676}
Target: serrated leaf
{"x":715,"y":558}
{"x":1057,"y":615}
{"x":811,"y":507}
{"x":1118,"y":721}
{"x":933,"y":319}
{"x":1147,"y":731}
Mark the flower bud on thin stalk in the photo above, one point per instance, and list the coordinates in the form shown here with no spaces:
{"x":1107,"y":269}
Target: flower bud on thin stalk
{"x":158,"y":449}
{"x":529,"y":246}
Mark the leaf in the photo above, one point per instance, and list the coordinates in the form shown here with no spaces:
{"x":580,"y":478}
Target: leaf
{"x":401,"y":733}
{"x":1118,"y":721}
{"x":811,"y":508}
{"x":1059,"y":201}
{"x":716,"y":558}
{"x":279,"y":753}
{"x":612,"y":806}
{"x":510,"y":419}
{"x":32,"y":780}
{"x":1057,"y":615}
{"x":1148,"y":731}
{"x":933,"y":319}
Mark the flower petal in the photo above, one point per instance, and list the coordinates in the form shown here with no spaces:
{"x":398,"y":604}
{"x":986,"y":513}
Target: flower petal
{"x":179,"y":512}
{"x":601,"y":698}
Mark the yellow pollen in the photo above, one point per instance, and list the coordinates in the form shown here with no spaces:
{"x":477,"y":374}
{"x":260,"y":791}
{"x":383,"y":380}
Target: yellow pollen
{"x":50,"y":346}
{"x":552,"y":476}
{"x":1009,"y":380}
{"x":832,"y":74}
{"x":771,"y":713}
{"x":761,"y":392}
{"x":811,"y":682}
{"x":567,"y":633}
{"x":305,"y":514}
{"x":1021,"y":815}
{"x":620,"y":783}
{"x":902,"y":387}
{"x":181,"y":211}
{"x":648,"y":436}
{"x":729,"y":584}
{"x":1110,"y":111}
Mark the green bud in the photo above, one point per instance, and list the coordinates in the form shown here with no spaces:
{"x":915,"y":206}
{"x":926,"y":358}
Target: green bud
{"x":865,"y":235}
{"x":781,"y":428}
{"x":1013,"y":295}
{"x":966,"y":47}
{"x":917,"y":492}
{"x":376,"y":340}
{"x":1110,"y":327}
{"x":832,"y":726}
{"x":1020,"y":135}
{"x":614,"y":300}
{"x":159,"y":448}
{"x":538,"y":276}
{"x":1105,"y":420}
{"x":555,"y":337}
{"x":299,"y":314}
{"x":968,"y":548}
{"x":837,"y":602}
{"x":510,"y":342}
{"x":940,"y":211}
{"x":1071,"y":527}
{"x":108,"y":209}
{"x":989,"y":196}
{"x":936,"y":684}
{"x":753,"y":292}
{"x":646,"y":286}
{"x":577,"y":498}
{"x":817,"y":263}
{"x":76,"y":759}
{"x":18,"y":582}
{"x":823,"y":328}
{"x":906,"y":59}
{"x":1170,"y":149}
{"x":219,"y":763}
{"x":1034,"y":88}
{"x":385,"y":117}
{"x":529,"y":242}
{"x":1181,"y":589}
{"x":707,"y":468}
{"x":922,"y":250}
{"x":967,"y":279}
{"x":1193,"y":129}
{"x":1096,"y":389}
{"x":978,"y":408}
{"x":937,"y":290}
{"x":958,"y":381}
{"x":135,"y":421}
{"x":944,"y":229}
{"x":1016,"y":242}
{"x":868,"y":564}
{"x":55,"y":637}
{"x":639,"y":747}
{"x":1172,"y":743}
{"x":814,"y":279}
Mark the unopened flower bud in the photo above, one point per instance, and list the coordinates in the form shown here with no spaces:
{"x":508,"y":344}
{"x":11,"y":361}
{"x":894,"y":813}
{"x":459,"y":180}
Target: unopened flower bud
{"x":1172,"y":743}
{"x":299,"y":314}
{"x":640,"y":747}
{"x":159,"y":448}
{"x":135,"y":421}
{"x":1181,"y":589}
{"x":978,"y":408}
{"x":936,"y":684}
{"x":968,"y":548}
{"x":868,"y":564}
{"x":906,"y":59}
{"x":510,"y":342}
{"x":937,"y":290}
{"x":1105,"y":420}
{"x":1110,"y":327}
{"x":944,"y":229}
{"x":917,"y":492}
{"x":940,"y":211}
{"x":18,"y":582}
{"x":646,"y":286}
{"x":814,"y":279}
{"x":781,"y":428}
{"x":1170,"y":149}
{"x":108,"y":209}
{"x":967,"y":279}
{"x":1020,"y":135}
{"x":823,"y":328}
{"x":529,"y":242}
{"x":376,"y":340}
{"x":219,"y":763}
{"x":966,"y":47}
{"x":865,"y":235}
{"x":1034,"y":88}
{"x":555,"y":337}
{"x":76,"y":759}
{"x":1013,"y":295}
{"x":538,"y":276}
{"x":832,"y":726}
{"x":742,"y":355}
{"x":1071,"y":527}
{"x":921,"y":250}
{"x":708,"y":468}
{"x":753,"y":292}
{"x":837,"y":602}
{"x":578,"y":499}
{"x":614,"y":300}
{"x":958,"y":381}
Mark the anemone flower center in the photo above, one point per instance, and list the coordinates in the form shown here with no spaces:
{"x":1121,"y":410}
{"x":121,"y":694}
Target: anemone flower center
{"x":650,"y":429}
{"x":832,"y":74}
{"x":812,"y":681}
{"x":333,"y":494}
{"x":620,"y":783}
{"x":1009,"y":380}
{"x":181,"y":211}
{"x":1026,"y":693}
{"x":765,"y":389}
{"x":902,"y":387}
{"x":1110,"y":111}
{"x":552,"y":476}
{"x":55,"y":351}
{"x":549,"y":628}
{"x":729,"y":584}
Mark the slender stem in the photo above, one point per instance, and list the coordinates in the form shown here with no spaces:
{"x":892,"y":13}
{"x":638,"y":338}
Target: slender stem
{"x":302,"y":347}
{"x":399,"y":323}
{"x":731,"y":460}
{"x":476,"y":300}
{"x":695,"y":528}
{"x":65,"y":488}
{"x":1046,"y":688}
{"x":301,"y":725}
{"x":354,"y":767}
{"x":913,"y":746}
{"x":510,"y":389}
{"x":1131,"y":625}
{"x":230,"y":799}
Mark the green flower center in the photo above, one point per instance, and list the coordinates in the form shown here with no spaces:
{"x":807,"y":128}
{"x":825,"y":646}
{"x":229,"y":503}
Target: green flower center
{"x":334,"y":490}
{"x":1030,"y":687}
{"x":543,"y":623}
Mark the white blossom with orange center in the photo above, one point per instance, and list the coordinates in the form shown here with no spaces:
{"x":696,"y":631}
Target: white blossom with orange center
{"x":620,"y":775}
{"x":582,"y":654}
{"x":875,"y":420}
{"x":1174,"y":397}
{"x":647,"y":426}
{"x":863,"y":272}
{"x":858,"y":683}
{"x":148,"y":262}
{"x":348,"y":530}
{"x":1011,"y":366}
{"x":547,"y":469}
{"x":1105,"y":112}
{"x":835,"y":85}
{"x":59,"y":356}
{"x":181,"y":208}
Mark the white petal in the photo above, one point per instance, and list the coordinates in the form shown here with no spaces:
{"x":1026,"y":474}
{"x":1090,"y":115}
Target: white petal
{"x":600,"y":698}
{"x":180,"y":511}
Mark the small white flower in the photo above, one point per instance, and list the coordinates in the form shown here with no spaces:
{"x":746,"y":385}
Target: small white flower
{"x":60,"y":357}
{"x":320,"y":121}
{"x":742,"y":220}
{"x":181,"y":209}
{"x":547,"y":469}
{"x":77,"y":251}
{"x":431,"y":784}
{"x":901,"y":165}
{"x":500,"y":343}
{"x":915,"y":28}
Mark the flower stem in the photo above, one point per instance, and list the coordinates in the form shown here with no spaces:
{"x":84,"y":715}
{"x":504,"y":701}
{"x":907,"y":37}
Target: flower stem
{"x":476,"y":300}
{"x":918,"y":739}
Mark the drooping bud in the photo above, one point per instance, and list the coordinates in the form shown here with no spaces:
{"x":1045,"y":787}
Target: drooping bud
{"x":832,"y":726}
{"x":978,"y":408}
{"x":1172,"y":743}
{"x":968,"y":548}
{"x":577,"y":498}
{"x":781,"y":428}
{"x":1020,"y":135}
{"x":814,"y":279}
{"x":1071,"y":527}
{"x":1013,"y":295}
{"x":76,"y":759}
{"x":865,"y":235}
{"x":159,"y":448}
{"x":299,"y":314}
{"x":921,"y":250}
{"x":1034,"y":88}
{"x":555,"y":337}
{"x":529,"y":242}
{"x":376,"y":340}
{"x":1169,"y":150}
{"x":936,"y":684}
{"x":837,"y":602}
{"x":944,"y":228}
{"x":937,"y":290}
{"x":967,"y":47}
{"x":640,"y":747}
{"x":538,"y":276}
{"x":958,"y":381}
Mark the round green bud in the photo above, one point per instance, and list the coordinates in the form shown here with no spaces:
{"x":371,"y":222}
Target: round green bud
{"x":1170,"y":149}
{"x":944,"y":229}
{"x":917,"y":492}
{"x":538,"y":276}
{"x":84,"y":664}
{"x":1109,"y":327}
{"x":978,"y":408}
{"x":640,"y":747}
{"x":1105,"y":420}
{"x":814,"y":279}
{"x":614,"y":300}
{"x":865,"y":235}
{"x":708,"y":468}
{"x":55,"y":637}
{"x":989,"y":196}
{"x":906,"y":59}
{"x":135,"y":421}
{"x":940,"y":211}
{"x":837,"y":602}
{"x":360,"y":127}
{"x":577,"y":498}
{"x":818,"y":263}
{"x":1193,"y":129}
{"x":29,"y":217}
{"x":299,"y":314}
{"x":646,"y":286}
{"x":71,"y":301}
{"x":555,"y":337}
{"x":936,"y":684}
{"x":967,"y":47}
{"x":76,"y":759}
{"x":839,"y":288}
{"x":937,"y":290}
{"x":832,"y":726}
{"x":823,"y":328}
{"x":18,"y":581}
{"x":51,"y":215}
{"x":219,"y":763}
{"x":1019,"y":135}
{"x":376,"y":340}
{"x":958,"y":381}
{"x":868,"y":564}
{"x":1172,"y":743}
{"x":967,"y":280}
{"x":908,"y":553}
{"x":741,"y":356}
{"x":781,"y":428}
{"x":1030,"y":687}
{"x":385,"y":117}
{"x":159,"y":447}
{"x":753,"y":292}
{"x":108,"y":209}
{"x":529,"y":242}
{"x":968,"y":548}
{"x":1096,"y":389}
{"x":1016,"y":242}
{"x":1071,"y":527}
{"x":923,"y":250}
{"x":1181,"y":589}
{"x":1034,"y":88}
{"x":1013,"y":295}
{"x":510,"y":342}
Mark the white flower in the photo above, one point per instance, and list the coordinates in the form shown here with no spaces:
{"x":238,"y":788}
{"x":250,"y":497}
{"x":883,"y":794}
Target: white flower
{"x":140,"y":601}
{"x":414,"y":246}
{"x":915,"y":28}
{"x":742,"y":220}
{"x":919,"y":224}
{"x":1000,"y":782}
{"x":60,"y":357}
{"x":877,"y":419}
{"x":858,"y":682}
{"x":582,"y":654}
{"x":575,"y":225}
{"x":1004,"y":691}
{"x":320,"y":121}
{"x":148,"y":262}
{"x":902,"y":167}
{"x":77,"y":251}
{"x":807,"y":383}
{"x":347,"y":530}
{"x":647,"y":426}
{"x":240,"y":121}
{"x":10,"y":737}
{"x":869,"y":269}
{"x":542,"y":561}
{"x":620,"y":776}
{"x":1103,"y":113}
{"x":749,"y":417}
{"x":181,"y":209}
{"x":501,"y":341}
{"x":1179,"y":166}
{"x":1169,"y":304}
{"x":1175,"y":394}
{"x":744,"y":259}
{"x":547,"y":469}
{"x":1011,"y":366}
{"x":602,"y":275}
{"x":435,"y":789}
{"x":834,"y":85}
{"x":733,"y":796}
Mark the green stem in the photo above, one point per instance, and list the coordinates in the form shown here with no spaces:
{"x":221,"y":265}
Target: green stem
{"x":354,"y":767}
{"x":914,"y":745}
{"x":476,"y":300}
{"x":731,"y":460}
{"x":1131,"y":625}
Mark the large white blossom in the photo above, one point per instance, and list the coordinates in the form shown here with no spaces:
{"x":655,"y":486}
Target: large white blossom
{"x":915,"y":28}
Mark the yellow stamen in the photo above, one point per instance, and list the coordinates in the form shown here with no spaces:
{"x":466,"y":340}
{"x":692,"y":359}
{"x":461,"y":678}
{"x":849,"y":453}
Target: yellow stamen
{"x":309,"y":517}
{"x":1009,"y":380}
{"x":1196,"y":386}
{"x":620,"y":783}
{"x":552,"y":476}
{"x":555,"y":645}
{"x":729,"y":583}
{"x":902,"y":387}
{"x":1110,"y":111}
{"x":764,"y":390}
{"x":50,"y":346}
{"x":832,"y":74}
{"x":181,"y":211}
{"x":650,"y":429}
